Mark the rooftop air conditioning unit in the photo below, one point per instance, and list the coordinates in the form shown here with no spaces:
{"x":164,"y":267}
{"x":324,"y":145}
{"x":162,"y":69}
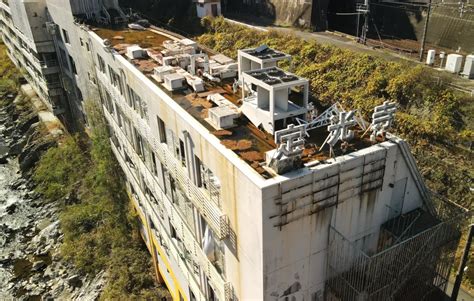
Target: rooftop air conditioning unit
{"x":136,"y":52}
{"x":223,"y":117}
{"x":430,"y":57}
{"x":161,"y":71}
{"x":174,"y":81}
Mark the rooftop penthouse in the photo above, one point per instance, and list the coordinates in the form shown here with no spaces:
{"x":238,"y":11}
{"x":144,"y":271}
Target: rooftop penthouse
{"x":245,"y":103}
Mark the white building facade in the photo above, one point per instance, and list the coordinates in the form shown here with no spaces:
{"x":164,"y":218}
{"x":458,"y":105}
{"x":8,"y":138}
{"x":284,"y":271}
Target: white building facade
{"x":217,"y":227}
{"x":208,"y":8}
{"x":31,"y":48}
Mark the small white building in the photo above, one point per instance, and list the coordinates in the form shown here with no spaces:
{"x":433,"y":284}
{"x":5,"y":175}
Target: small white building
{"x":207,"y":8}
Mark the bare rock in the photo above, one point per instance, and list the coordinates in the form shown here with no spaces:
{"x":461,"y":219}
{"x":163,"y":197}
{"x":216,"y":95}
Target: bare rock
{"x":74,"y":281}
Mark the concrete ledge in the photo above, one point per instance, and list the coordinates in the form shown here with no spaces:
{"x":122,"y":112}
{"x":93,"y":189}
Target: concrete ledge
{"x":51,"y":122}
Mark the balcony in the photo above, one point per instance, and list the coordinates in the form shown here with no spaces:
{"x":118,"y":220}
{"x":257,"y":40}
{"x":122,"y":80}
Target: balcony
{"x":201,"y":198}
{"x":183,"y":249}
{"x":53,"y":84}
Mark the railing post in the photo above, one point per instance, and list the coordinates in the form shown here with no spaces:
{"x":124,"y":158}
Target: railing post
{"x":462,"y":264}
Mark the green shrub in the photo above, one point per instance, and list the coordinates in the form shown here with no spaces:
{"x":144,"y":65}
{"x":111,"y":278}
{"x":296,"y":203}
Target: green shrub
{"x":429,"y":111}
{"x":98,"y":234}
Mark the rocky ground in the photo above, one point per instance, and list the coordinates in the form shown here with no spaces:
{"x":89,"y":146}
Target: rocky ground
{"x":31,"y":267}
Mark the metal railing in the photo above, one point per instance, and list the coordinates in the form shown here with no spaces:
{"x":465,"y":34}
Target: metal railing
{"x":411,"y":269}
{"x":190,"y":250}
{"x":200,"y":198}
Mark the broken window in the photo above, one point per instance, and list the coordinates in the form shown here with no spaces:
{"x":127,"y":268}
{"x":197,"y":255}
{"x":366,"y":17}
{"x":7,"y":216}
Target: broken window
{"x":73,"y":65}
{"x":182,"y":152}
{"x":137,"y":103}
{"x":212,"y":247}
{"x":115,"y":80}
{"x":211,"y":183}
{"x":64,"y":62}
{"x":139,"y":148}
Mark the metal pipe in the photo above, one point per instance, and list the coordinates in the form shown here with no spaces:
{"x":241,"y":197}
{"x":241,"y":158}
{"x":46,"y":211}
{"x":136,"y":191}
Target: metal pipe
{"x":462,"y":264}
{"x":425,"y":31}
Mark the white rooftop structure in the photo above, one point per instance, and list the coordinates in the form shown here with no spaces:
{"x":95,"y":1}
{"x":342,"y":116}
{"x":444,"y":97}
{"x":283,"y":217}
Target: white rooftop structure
{"x":135,"y":52}
{"x":259,"y":58}
{"x":265,"y":97}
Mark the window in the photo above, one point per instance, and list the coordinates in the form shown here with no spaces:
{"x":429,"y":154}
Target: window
{"x":109,"y":105}
{"x":65,"y":36}
{"x":91,"y":78}
{"x":173,"y":231}
{"x":161,"y":129}
{"x":101,"y":64}
{"x":182,"y":152}
{"x":64,"y":62}
{"x":153,"y":164}
{"x":81,"y":41}
{"x":73,"y":65}
{"x":115,"y":80}
{"x":139,"y":144}
{"x":135,"y":102}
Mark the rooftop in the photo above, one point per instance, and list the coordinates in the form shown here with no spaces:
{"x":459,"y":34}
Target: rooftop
{"x":216,"y":74}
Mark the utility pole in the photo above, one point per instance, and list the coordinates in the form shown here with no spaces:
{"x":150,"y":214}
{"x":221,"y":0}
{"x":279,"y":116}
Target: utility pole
{"x":425,"y":31}
{"x":462,"y":265}
{"x":363,"y":9}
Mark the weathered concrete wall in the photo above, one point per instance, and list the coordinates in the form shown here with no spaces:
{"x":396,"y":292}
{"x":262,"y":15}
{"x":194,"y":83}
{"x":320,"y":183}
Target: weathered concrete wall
{"x":295,"y":244}
{"x":29,"y":18}
{"x":240,"y":192}
{"x":283,"y":12}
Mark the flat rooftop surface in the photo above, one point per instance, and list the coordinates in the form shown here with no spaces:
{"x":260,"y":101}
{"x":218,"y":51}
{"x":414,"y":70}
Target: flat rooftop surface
{"x":245,"y":139}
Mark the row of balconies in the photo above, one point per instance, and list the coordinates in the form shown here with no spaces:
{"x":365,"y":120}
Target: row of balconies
{"x":200,"y":197}
{"x":5,"y":6}
{"x":185,"y":250}
{"x":43,"y":66}
{"x":38,"y":79}
{"x":37,"y":82}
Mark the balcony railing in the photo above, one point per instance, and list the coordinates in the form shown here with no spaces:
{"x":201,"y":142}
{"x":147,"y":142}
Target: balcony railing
{"x":200,"y":198}
{"x":185,"y":250}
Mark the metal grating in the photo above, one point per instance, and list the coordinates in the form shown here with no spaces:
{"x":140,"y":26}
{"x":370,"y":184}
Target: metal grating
{"x":415,"y":267}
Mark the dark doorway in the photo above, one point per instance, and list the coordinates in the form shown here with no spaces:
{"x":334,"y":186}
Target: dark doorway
{"x":214,"y":10}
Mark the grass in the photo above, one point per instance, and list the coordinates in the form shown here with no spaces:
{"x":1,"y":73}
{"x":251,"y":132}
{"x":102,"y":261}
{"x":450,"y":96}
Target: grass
{"x":436,"y":120}
{"x":99,"y":231}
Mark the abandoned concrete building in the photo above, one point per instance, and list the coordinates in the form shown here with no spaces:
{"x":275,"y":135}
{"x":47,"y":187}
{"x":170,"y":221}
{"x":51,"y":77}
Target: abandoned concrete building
{"x":245,"y":188}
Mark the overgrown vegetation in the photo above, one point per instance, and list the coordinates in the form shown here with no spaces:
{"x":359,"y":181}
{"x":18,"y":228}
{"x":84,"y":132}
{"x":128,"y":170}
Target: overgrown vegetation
{"x":431,"y":117}
{"x":434,"y":119}
{"x":9,"y":75}
{"x":100,"y":232}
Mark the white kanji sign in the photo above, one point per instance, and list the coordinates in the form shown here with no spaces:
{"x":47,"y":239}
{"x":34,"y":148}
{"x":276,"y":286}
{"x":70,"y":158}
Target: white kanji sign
{"x":339,"y":129}
{"x":382,"y":118}
{"x":290,"y":140}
